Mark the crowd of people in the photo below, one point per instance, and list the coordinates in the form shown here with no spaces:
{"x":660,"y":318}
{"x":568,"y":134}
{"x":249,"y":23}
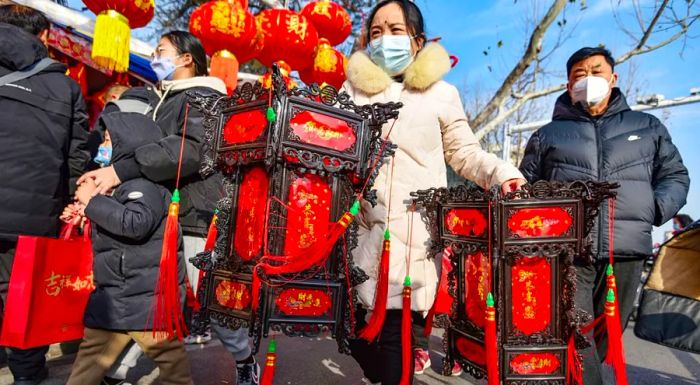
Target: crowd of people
{"x":120,"y":175}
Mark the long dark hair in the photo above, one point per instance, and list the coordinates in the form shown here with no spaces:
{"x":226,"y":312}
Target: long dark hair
{"x":185,"y":42}
{"x":413,"y":17}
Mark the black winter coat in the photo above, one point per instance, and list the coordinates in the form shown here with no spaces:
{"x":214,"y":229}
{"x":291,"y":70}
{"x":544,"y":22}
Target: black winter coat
{"x":158,"y":161}
{"x":43,"y":134}
{"x":127,"y":236}
{"x":631,"y":148}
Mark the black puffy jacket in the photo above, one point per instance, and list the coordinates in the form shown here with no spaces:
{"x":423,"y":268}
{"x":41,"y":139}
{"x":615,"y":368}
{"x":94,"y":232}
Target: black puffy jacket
{"x":43,"y":134}
{"x":631,"y":148}
{"x":127,"y":236}
{"x":158,"y":161}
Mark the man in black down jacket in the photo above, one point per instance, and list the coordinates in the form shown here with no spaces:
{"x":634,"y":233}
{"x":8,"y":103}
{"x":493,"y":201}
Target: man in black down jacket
{"x":595,"y":136}
{"x":43,"y":136}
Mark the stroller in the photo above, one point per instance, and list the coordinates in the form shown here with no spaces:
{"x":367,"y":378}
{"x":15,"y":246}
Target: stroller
{"x":669,"y":309}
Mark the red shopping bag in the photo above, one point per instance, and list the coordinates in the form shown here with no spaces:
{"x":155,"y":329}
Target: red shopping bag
{"x":50,"y":284}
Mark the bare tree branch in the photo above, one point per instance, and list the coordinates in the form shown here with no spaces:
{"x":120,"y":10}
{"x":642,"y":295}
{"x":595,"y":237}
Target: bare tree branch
{"x":519,"y":98}
{"x":520,"y":101}
{"x":647,"y":33}
{"x":533,"y":48}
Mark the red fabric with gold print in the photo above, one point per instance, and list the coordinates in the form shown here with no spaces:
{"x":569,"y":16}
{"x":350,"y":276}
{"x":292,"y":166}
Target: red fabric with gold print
{"x":250,"y":214}
{"x":49,"y":289}
{"x":303,"y":302}
{"x":534,"y":363}
{"x":531,"y":293}
{"x":477,"y":282}
{"x":308,"y":219}
{"x":322,"y":130}
{"x":465,"y":222}
{"x":540,"y":222}
{"x":234,"y":295}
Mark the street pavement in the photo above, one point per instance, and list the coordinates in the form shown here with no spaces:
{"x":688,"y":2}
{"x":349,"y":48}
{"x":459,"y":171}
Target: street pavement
{"x":317,"y":361}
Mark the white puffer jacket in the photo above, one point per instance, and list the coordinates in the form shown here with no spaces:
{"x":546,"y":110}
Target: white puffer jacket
{"x":432,"y":128}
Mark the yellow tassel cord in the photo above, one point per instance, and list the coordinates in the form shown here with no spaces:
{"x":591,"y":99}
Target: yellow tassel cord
{"x":110,"y":45}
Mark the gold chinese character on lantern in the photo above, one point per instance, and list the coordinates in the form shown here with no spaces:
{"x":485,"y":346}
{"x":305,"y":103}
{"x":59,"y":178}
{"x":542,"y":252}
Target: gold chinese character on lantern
{"x":322,"y":8}
{"x":297,"y":25}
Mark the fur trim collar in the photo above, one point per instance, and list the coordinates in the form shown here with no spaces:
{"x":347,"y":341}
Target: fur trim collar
{"x":429,"y":66}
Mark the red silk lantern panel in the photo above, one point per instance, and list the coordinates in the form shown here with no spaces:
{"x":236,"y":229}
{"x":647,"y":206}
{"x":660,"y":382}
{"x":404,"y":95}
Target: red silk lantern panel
{"x":531,"y":291}
{"x":308,"y":214}
{"x":534,"y":363}
{"x":322,"y":130}
{"x":471,"y":350}
{"x":477,"y":287}
{"x":287,"y":36}
{"x":244,"y":127}
{"x":225,"y":26}
{"x":330,"y":19}
{"x":466,"y":222}
{"x":111,"y":39}
{"x":540,"y":222}
{"x":303,"y":302}
{"x":233,"y":295}
{"x":329,"y":66}
{"x":250,"y":214}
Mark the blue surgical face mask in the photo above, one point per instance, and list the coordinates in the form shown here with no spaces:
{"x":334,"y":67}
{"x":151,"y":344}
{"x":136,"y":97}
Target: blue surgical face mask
{"x":163,"y":67}
{"x":104,"y":155}
{"x":392,"y":53}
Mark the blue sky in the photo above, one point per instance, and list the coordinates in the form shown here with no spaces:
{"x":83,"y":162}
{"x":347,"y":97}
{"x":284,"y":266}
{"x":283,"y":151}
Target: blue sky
{"x":468,"y":27}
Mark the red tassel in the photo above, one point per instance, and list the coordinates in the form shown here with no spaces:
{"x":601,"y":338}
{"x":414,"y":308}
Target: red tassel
{"x":224,"y":66}
{"x":406,"y":335}
{"x":314,"y":256}
{"x":491,"y":342}
{"x":616,"y":353}
{"x":443,"y":300}
{"x":168,"y":321}
{"x":191,"y":296}
{"x":256,"y":289}
{"x":212,"y":233}
{"x":574,"y":372}
{"x":192,"y":300}
{"x":268,"y":375}
{"x":376,"y":321}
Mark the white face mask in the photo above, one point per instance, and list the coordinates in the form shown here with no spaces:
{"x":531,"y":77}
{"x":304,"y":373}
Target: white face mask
{"x":392,"y":53}
{"x":590,"y":90}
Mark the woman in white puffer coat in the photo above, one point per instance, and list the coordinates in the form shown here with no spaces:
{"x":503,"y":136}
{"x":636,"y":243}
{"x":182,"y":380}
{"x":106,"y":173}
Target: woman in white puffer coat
{"x":431,"y":130}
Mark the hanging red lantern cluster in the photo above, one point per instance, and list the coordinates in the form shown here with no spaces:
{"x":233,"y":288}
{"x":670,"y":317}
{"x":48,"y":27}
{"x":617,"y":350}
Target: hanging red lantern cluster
{"x":228,"y":32}
{"x":115,"y":18}
{"x":331,"y":20}
{"x":287,"y":36}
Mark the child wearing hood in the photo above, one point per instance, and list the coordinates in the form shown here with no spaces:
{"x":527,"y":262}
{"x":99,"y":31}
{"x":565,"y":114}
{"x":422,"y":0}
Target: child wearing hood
{"x":127,"y":237}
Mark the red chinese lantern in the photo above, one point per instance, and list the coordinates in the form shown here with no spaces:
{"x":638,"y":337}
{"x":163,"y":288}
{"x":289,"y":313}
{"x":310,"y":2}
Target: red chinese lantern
{"x":287,"y":36}
{"x":115,"y":18}
{"x":228,"y":33}
{"x":330,"y":19}
{"x":329,"y":66}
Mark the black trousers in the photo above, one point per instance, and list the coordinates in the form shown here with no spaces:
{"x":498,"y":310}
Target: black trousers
{"x":381,"y":360}
{"x":23,"y":363}
{"x":591,"y":294}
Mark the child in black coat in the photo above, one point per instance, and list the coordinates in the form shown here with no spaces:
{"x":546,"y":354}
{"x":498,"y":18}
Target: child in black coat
{"x":127,"y":238}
